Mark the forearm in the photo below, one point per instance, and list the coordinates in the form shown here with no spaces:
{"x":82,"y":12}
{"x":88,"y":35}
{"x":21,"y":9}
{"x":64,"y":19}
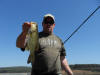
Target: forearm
{"x":20,"y":42}
{"x":66,"y":66}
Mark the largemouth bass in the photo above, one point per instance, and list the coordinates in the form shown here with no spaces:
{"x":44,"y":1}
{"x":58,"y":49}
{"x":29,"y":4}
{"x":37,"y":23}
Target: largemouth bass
{"x":32,"y":42}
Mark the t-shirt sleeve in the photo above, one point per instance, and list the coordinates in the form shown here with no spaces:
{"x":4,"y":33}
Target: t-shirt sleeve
{"x":63,"y":51}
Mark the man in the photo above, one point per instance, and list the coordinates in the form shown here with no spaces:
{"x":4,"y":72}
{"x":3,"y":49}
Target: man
{"x":51,"y":53}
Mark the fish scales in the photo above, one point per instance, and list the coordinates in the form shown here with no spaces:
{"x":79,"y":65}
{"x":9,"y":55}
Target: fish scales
{"x":32,"y":41}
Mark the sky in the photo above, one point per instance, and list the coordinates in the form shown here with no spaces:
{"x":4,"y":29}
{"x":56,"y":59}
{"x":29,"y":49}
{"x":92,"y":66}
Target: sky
{"x":81,"y":48}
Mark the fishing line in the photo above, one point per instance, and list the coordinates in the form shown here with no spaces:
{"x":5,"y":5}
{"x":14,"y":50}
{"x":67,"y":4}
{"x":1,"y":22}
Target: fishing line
{"x":81,"y":24}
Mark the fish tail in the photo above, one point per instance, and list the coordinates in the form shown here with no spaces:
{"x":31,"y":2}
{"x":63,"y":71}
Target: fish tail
{"x":31,"y":58}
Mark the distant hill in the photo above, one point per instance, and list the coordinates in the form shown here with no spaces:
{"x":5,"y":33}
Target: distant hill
{"x":24,"y":69}
{"x":88,"y":67}
{"x":19,"y":69}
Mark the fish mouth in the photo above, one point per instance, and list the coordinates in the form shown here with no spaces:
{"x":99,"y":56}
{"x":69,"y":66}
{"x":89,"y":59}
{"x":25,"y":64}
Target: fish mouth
{"x":31,"y":31}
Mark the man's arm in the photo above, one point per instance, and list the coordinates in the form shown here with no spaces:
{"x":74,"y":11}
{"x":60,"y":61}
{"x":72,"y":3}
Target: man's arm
{"x":20,"y":42}
{"x":65,"y":65}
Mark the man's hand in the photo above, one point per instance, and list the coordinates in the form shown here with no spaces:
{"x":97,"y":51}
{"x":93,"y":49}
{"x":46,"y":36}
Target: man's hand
{"x":65,"y":65}
{"x":25,"y":27}
{"x":20,"y":42}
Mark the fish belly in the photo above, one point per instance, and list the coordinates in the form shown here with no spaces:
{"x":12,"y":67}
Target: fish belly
{"x":32,"y":44}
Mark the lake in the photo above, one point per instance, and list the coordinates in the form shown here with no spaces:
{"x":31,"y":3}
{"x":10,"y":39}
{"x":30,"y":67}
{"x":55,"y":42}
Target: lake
{"x":14,"y":73}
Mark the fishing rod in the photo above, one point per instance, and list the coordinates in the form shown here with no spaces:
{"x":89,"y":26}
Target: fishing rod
{"x":81,"y":24}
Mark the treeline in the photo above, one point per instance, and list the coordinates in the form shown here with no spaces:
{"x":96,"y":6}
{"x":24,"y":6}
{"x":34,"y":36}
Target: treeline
{"x":15,"y":70}
{"x":89,"y":67}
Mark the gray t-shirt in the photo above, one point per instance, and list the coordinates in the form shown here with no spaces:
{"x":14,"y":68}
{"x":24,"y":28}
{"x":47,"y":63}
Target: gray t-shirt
{"x":47,"y":59}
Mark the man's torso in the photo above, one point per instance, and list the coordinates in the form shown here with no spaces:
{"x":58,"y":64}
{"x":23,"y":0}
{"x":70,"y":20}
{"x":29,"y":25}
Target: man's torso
{"x":47,"y":59}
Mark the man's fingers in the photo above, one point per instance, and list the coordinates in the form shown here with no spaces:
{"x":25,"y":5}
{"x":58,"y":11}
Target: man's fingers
{"x":26,"y":26}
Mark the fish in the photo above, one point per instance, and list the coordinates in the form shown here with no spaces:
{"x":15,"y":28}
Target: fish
{"x":32,"y":41}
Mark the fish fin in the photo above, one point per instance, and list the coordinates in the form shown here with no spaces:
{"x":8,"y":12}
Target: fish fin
{"x":27,"y":41}
{"x":30,"y":59}
{"x":27,"y":48}
{"x":37,"y":47}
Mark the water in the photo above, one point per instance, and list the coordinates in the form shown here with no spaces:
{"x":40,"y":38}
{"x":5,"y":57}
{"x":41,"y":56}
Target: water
{"x":15,"y":74}
{"x":30,"y":74}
